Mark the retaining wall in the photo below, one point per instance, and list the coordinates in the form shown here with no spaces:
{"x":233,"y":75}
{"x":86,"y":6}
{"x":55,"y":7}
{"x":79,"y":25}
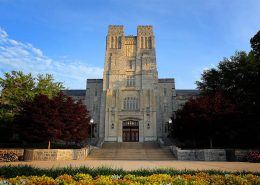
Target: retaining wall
{"x":55,"y":154}
{"x":199,"y":155}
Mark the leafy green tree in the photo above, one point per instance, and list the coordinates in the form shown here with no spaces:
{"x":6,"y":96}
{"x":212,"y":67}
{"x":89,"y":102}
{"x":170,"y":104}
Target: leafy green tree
{"x":237,"y":77}
{"x":18,"y":87}
{"x":255,"y":44}
{"x":46,"y":85}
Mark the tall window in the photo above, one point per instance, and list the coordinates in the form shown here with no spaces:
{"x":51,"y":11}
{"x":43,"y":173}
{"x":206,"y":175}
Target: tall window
{"x":164,"y":91}
{"x":130,"y":103}
{"x":130,"y":82}
{"x":130,"y":64}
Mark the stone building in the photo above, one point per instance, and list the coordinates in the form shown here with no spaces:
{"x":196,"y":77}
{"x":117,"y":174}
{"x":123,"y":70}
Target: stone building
{"x":130,"y":103}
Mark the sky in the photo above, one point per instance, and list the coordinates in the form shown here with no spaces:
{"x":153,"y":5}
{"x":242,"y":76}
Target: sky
{"x":66,"y":38}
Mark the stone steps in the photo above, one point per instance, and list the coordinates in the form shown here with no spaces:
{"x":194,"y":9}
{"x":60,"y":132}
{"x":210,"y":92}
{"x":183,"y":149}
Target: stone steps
{"x":131,"y":151}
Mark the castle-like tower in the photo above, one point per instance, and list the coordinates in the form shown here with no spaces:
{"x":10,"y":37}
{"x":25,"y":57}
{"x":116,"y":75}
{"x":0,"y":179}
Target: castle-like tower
{"x":130,"y":104}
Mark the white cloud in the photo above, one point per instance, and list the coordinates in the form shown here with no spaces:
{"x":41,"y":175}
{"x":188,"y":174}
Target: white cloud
{"x":15,"y":55}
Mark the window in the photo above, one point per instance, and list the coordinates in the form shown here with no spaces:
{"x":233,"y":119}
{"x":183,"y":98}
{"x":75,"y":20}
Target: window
{"x":130,"y":103}
{"x":165,"y":107}
{"x":130,"y":81}
{"x":165,"y":92}
{"x":130,"y":64}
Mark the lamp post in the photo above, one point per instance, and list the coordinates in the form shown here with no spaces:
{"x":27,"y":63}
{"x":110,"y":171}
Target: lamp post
{"x":91,"y":123}
{"x":170,"y":126}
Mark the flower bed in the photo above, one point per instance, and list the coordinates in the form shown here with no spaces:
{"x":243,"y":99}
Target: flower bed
{"x":81,"y":178}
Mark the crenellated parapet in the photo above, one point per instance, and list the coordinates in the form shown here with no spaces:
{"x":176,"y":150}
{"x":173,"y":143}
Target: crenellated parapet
{"x":145,"y":30}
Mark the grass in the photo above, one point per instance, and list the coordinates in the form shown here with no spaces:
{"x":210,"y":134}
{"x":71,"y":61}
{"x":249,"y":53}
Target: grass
{"x":13,"y":171}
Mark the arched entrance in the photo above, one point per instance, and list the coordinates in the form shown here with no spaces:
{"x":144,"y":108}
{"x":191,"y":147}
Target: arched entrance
{"x":130,"y":131}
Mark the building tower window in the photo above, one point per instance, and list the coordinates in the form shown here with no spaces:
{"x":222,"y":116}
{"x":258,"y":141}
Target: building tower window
{"x":130,"y":64}
{"x":165,"y":92}
{"x":130,"y":82}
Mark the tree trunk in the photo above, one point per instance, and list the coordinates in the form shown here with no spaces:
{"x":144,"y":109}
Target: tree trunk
{"x":210,"y":142}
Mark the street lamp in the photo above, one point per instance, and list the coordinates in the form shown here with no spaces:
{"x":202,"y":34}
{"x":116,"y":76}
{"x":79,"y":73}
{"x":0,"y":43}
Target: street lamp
{"x":170,"y":126}
{"x":91,"y":123}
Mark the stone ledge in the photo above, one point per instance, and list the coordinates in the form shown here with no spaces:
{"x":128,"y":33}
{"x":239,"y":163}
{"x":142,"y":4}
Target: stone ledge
{"x":55,"y":154}
{"x":199,"y":155}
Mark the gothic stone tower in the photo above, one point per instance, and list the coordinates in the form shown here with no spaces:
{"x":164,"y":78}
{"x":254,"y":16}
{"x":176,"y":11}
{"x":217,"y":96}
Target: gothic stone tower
{"x":130,"y":85}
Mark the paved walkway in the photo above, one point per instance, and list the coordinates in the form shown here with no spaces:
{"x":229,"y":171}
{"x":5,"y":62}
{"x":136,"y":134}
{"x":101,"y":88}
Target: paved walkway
{"x":134,"y":165}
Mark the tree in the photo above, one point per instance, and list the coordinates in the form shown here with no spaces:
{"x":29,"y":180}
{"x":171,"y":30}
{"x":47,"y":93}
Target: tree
{"x":255,"y":45}
{"x":205,"y":118}
{"x":18,"y":87}
{"x":59,"y":118}
{"x":238,"y":79}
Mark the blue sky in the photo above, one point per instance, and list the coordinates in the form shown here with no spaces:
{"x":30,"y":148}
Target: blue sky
{"x":67,"y":37}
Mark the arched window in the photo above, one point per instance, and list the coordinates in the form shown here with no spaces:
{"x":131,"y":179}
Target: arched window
{"x":146,"y":42}
{"x":150,"y":43}
{"x":119,"y":42}
{"x":112,"y":42}
{"x":116,"y":43}
{"x":142,"y":42}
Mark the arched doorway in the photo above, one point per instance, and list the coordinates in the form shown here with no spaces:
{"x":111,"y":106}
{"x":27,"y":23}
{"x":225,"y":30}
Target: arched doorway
{"x":130,"y":131}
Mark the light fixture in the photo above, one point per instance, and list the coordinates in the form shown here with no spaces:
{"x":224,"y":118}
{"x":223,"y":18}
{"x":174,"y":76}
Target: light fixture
{"x":91,"y":121}
{"x":148,"y":124}
{"x":170,"y":121}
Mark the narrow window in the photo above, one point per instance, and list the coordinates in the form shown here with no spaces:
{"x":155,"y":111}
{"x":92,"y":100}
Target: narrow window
{"x":119,"y":42}
{"x":165,"y":92}
{"x":131,"y":64}
{"x":112,"y":42}
{"x":116,"y":43}
{"x":150,"y":43}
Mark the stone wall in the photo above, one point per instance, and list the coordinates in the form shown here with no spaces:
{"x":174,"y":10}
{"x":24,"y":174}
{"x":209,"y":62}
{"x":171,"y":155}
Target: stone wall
{"x":18,"y":152}
{"x":199,"y":155}
{"x":55,"y":154}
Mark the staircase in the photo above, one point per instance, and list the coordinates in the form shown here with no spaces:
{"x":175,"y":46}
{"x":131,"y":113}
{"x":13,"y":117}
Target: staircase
{"x":131,"y":151}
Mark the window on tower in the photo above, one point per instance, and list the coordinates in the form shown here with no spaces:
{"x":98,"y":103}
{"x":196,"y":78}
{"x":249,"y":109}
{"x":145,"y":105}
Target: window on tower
{"x":130,"y":81}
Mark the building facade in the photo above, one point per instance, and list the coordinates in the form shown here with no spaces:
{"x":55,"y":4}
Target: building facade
{"x":130,"y":103}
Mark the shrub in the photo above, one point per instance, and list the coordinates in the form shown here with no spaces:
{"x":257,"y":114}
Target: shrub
{"x":253,"y":157}
{"x":8,"y":157}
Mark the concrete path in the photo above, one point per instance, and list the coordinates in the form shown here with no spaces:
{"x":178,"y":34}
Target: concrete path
{"x":134,"y":165}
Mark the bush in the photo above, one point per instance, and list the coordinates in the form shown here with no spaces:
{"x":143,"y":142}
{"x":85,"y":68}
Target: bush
{"x":253,"y":157}
{"x":8,"y":157}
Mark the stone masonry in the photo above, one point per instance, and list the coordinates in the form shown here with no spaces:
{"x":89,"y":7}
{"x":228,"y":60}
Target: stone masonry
{"x":130,"y":103}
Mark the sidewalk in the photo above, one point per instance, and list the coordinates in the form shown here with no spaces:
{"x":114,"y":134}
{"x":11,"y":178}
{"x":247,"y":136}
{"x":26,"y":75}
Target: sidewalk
{"x":134,"y":165}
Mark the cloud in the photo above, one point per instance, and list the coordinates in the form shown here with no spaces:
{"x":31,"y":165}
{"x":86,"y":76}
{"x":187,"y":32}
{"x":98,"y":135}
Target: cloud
{"x":15,"y":55}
